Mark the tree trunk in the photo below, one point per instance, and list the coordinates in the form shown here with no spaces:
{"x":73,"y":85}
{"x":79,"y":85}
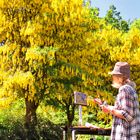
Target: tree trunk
{"x":70,"y":116}
{"x":31,"y":119}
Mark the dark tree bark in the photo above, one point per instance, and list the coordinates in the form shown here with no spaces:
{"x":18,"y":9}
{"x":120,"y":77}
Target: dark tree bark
{"x":31,"y":119}
{"x":70,"y":116}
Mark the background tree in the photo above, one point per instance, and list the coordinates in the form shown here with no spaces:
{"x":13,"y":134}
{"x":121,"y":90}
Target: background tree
{"x":135,"y":24}
{"x":32,"y":32}
{"x":113,"y":17}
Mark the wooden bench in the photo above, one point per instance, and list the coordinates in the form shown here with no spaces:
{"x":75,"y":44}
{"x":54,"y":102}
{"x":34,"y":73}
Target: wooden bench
{"x":83,"y":130}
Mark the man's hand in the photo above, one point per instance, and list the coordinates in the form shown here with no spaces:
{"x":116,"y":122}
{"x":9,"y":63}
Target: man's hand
{"x":98,"y":101}
{"x":106,"y":108}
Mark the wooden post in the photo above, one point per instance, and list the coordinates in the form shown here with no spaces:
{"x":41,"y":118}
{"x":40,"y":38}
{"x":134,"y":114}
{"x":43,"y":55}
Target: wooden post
{"x":80,"y":115}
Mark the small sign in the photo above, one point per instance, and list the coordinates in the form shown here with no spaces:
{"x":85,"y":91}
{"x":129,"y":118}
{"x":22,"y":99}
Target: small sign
{"x":80,"y":98}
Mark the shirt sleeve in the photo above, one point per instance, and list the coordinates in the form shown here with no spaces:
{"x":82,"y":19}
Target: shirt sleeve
{"x":127,"y":104}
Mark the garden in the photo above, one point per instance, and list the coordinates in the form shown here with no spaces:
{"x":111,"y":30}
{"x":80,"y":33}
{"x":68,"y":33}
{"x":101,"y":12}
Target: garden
{"x":50,"y":49}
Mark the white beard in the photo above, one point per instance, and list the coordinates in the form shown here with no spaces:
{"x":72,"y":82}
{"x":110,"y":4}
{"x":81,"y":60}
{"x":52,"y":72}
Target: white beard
{"x":116,"y":85}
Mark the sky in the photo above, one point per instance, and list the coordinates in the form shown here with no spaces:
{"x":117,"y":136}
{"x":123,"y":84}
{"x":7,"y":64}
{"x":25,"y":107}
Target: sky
{"x":129,"y":9}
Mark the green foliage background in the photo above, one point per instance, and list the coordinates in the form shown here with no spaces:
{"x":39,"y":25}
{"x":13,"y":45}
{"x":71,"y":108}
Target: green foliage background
{"x":50,"y":123}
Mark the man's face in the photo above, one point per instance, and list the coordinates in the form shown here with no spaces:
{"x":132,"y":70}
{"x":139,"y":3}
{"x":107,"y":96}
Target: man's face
{"x":117,"y":80}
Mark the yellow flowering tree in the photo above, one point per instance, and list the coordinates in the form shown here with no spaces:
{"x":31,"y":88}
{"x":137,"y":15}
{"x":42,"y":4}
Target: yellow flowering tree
{"x":31,"y":32}
{"x":129,"y":50}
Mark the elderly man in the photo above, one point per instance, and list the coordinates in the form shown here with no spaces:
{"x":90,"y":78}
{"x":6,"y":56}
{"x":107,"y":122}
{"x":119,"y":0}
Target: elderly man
{"x":126,"y":114}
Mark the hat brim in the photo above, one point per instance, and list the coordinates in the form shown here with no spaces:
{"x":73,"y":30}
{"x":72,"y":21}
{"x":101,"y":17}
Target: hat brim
{"x":114,"y":72}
